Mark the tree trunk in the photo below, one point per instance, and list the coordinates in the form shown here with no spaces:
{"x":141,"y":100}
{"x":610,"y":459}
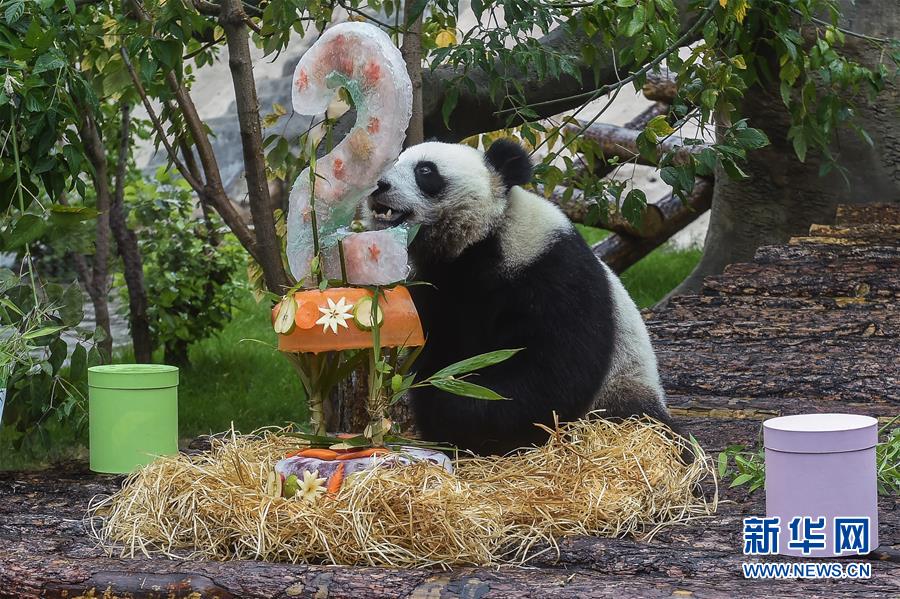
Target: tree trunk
{"x":233,"y":21}
{"x":96,"y":280}
{"x":412,"y":55}
{"x":175,"y":353}
{"x":127,"y":246}
{"x":784,"y":196}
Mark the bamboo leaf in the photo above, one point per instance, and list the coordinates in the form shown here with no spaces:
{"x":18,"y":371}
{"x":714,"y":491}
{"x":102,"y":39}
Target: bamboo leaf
{"x":465,"y":389}
{"x":42,"y":331}
{"x":476,"y":363}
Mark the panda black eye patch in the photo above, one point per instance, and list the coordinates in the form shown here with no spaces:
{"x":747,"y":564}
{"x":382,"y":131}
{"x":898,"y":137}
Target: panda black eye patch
{"x":428,"y":178}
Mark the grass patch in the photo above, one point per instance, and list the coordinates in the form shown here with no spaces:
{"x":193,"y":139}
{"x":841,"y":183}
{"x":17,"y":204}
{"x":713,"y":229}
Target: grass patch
{"x":230,"y":380}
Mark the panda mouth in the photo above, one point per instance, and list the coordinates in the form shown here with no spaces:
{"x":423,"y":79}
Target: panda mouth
{"x":388,"y":215}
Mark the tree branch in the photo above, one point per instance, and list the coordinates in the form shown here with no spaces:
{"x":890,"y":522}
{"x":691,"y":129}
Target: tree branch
{"x":191,"y":164}
{"x":621,"y":142}
{"x":96,"y":154}
{"x":98,"y":282}
{"x":212,"y":191}
{"x":268,"y":246}
{"x":477,"y":112}
{"x":127,"y":245}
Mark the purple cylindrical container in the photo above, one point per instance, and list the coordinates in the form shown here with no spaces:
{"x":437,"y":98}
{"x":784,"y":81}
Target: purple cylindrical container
{"x":822,"y":466}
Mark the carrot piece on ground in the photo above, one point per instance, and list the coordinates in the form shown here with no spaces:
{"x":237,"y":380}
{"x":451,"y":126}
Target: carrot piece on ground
{"x":322,"y":454}
{"x":365,"y":453}
{"x":334,"y":483}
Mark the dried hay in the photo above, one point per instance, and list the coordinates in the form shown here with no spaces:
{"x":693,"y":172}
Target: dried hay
{"x":592,"y":477}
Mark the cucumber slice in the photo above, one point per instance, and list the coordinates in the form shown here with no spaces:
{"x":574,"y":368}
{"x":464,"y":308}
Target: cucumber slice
{"x":274,"y":484}
{"x":362,"y":314}
{"x":291,"y":486}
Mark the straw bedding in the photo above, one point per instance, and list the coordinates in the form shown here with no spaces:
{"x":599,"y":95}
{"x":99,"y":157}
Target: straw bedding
{"x":592,"y":477}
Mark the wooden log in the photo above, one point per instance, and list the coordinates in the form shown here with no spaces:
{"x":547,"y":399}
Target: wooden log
{"x":660,"y":87}
{"x":621,"y":250}
{"x":759,"y":318}
{"x":619,"y":142}
{"x":851,"y":280}
{"x":875,"y":234}
{"x":832,"y":367}
{"x":865,"y":214}
{"x":757,"y":409}
{"x":603,"y":168}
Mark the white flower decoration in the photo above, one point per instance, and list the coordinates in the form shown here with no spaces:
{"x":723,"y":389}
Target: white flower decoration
{"x":335,"y":315}
{"x":310,"y":487}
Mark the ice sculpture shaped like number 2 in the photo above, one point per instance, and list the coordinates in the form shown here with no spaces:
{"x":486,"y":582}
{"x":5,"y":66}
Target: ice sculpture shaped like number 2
{"x":360,"y":58}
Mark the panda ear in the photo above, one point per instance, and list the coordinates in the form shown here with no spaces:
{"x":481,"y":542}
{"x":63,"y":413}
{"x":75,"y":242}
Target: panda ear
{"x":511,"y":161}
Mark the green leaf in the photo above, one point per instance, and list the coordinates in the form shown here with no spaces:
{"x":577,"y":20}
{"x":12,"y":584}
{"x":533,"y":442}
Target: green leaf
{"x":415,"y":11}
{"x":706,"y":161}
{"x":71,"y":308}
{"x":646,"y":146}
{"x":733,"y":170}
{"x":723,"y":464}
{"x":28,"y":228}
{"x":465,"y":389}
{"x":681,"y":178}
{"x":638,"y":18}
{"x":450,"y":100}
{"x":477,"y":9}
{"x":633,"y":207}
{"x":740,"y":480}
{"x":751,"y":139}
{"x":476,"y":363}
{"x":58,"y":351}
{"x":14,"y":11}
{"x":78,"y":364}
{"x":799,"y":143}
{"x":168,"y":52}
{"x":48,"y":62}
{"x":660,"y":127}
{"x":70,"y":215}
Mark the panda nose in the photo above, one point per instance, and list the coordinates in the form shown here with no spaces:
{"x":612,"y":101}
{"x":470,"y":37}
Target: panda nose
{"x":383,"y":186}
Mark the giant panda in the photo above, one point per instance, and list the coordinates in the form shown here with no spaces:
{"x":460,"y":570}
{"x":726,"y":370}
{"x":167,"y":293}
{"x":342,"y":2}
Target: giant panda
{"x":504,"y":268}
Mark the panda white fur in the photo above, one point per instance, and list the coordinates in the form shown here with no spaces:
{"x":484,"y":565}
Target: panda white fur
{"x":507,"y":269}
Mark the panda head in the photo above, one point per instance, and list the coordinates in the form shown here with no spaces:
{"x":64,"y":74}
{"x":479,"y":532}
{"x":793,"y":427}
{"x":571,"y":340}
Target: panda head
{"x":457,"y":194}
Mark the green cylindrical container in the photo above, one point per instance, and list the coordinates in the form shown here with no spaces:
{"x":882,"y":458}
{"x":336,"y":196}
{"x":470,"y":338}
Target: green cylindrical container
{"x":133,"y":411}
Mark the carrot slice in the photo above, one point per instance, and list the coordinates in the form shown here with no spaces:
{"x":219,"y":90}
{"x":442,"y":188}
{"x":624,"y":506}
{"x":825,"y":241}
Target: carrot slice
{"x":307,"y":314}
{"x":334,"y":483}
{"x":365,"y":453}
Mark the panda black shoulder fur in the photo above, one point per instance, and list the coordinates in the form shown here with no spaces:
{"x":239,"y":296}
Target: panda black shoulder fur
{"x":508,"y":270}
